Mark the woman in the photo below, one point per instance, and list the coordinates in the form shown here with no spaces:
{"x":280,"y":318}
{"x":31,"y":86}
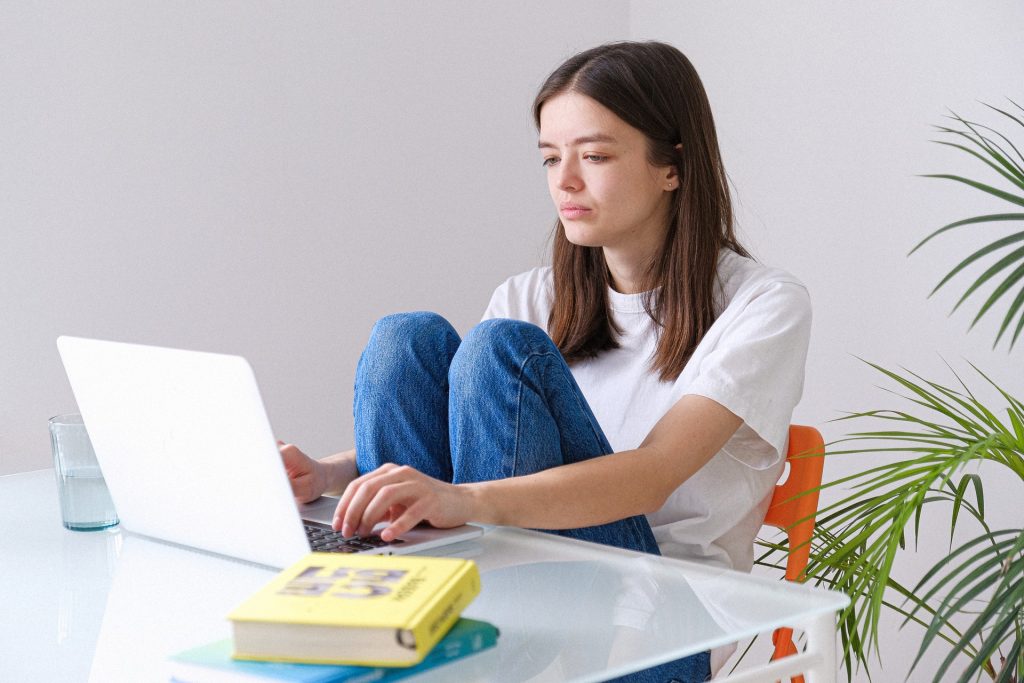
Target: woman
{"x":636,"y":393}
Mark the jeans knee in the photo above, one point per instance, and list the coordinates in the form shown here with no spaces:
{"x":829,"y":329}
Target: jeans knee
{"x":496,"y":343}
{"x":418,"y":327}
{"x":403,"y":337}
{"x":499,"y":331}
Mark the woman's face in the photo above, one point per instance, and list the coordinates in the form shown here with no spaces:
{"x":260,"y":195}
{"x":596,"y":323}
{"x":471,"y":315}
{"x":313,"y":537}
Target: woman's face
{"x":606,"y":192}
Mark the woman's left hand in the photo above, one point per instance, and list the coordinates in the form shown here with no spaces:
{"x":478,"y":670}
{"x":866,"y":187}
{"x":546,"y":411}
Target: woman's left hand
{"x":404,"y":497}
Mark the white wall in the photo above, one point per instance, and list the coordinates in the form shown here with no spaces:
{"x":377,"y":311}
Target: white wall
{"x":263,"y":179}
{"x":824,"y":112}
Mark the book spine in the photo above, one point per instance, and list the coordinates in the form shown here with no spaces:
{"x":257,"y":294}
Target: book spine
{"x":441,"y":615}
{"x":467,"y":637}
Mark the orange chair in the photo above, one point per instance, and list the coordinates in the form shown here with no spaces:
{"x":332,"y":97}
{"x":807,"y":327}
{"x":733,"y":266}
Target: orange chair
{"x":794,"y":513}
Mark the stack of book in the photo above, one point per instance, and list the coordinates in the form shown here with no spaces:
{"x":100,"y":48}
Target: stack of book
{"x":333,"y":618}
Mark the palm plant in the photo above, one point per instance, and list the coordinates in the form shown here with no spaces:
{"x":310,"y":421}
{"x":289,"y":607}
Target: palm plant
{"x":931,"y":443}
{"x":1010,"y":168}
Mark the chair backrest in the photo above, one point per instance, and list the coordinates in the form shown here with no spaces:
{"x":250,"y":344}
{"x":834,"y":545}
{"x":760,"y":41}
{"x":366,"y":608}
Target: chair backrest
{"x":791,"y":511}
{"x":794,"y":514}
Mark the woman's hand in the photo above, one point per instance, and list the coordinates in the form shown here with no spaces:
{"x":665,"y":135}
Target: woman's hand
{"x":404,"y":497}
{"x":307,"y":476}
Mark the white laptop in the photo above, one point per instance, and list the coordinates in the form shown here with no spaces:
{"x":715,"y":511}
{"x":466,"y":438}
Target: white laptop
{"x":187,"y":451}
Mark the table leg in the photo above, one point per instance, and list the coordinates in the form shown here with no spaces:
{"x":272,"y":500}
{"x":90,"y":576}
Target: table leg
{"x":817,"y":663}
{"x":821,"y":641}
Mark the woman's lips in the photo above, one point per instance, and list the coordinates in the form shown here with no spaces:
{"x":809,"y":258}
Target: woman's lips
{"x":573,"y":211}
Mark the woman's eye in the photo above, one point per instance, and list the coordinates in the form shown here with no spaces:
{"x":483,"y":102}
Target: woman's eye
{"x":595,"y":157}
{"x":550,"y":161}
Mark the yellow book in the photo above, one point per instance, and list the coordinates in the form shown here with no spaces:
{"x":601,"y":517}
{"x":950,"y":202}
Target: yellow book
{"x":370,"y":610}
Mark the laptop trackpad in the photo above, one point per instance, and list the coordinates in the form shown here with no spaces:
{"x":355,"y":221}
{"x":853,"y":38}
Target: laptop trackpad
{"x":320,"y":510}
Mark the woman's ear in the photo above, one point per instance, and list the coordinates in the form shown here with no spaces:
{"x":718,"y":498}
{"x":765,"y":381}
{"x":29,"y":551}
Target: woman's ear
{"x":672,"y":179}
{"x":672,"y":176}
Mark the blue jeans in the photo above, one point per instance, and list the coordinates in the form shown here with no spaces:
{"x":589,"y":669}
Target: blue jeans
{"x":501,"y":403}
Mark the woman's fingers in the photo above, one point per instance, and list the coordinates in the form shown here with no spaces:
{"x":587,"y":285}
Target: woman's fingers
{"x":394,"y":512}
{"x":406,"y":521}
{"x":358,"y":494}
{"x":404,"y":495}
{"x":401,"y":496}
{"x":300,"y":469}
{"x":386,"y":494}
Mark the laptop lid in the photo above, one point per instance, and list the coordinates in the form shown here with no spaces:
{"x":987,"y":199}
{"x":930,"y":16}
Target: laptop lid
{"x":186,"y":449}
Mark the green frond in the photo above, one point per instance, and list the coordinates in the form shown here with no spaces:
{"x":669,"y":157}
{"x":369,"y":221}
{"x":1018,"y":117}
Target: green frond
{"x":971,"y":139}
{"x":858,"y":538}
{"x":1006,"y":114}
{"x":1011,"y":313}
{"x":979,"y":254}
{"x":996,"y":268}
{"x":1011,"y":171}
{"x":1003,"y":137}
{"x":1012,"y":279}
{"x":1013,"y":669}
{"x":1016,"y":333}
{"x":992,"y":218}
{"x":959,"y":497}
{"x":1012,"y":198}
{"x":990,"y":148}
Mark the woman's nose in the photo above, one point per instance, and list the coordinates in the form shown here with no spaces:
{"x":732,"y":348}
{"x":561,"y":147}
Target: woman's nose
{"x":569,"y":179}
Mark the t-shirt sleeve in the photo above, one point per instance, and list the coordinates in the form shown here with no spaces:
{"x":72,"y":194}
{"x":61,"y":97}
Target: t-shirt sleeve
{"x":524,"y":297}
{"x":756,"y":369}
{"x":499,"y":305}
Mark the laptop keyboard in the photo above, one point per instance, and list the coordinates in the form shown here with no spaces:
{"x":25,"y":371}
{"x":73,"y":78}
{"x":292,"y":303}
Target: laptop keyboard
{"x":324,"y":539}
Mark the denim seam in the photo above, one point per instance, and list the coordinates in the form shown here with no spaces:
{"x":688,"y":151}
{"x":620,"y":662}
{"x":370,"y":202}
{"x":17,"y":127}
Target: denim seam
{"x":519,"y":406}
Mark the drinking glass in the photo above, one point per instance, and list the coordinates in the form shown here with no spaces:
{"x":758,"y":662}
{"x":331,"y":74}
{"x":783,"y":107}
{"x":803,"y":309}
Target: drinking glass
{"x":85,"y":503}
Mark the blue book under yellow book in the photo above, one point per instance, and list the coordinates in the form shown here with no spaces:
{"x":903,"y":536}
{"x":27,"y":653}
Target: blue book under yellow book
{"x":212,"y":663}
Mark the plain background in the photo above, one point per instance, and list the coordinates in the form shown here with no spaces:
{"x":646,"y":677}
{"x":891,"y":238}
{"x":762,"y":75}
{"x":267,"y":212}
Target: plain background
{"x":268,"y":179}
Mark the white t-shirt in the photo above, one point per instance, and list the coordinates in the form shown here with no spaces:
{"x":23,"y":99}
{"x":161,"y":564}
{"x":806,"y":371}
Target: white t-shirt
{"x":751,"y":361}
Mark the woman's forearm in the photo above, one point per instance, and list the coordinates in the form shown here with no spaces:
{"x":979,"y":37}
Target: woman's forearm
{"x":588,"y":493}
{"x":615,"y":486}
{"x":338,"y":470}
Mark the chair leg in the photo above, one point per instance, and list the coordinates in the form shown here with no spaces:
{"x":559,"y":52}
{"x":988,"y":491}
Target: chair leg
{"x":782,"y":638}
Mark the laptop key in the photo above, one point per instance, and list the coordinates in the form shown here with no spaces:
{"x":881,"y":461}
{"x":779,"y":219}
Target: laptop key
{"x":359,"y":545}
{"x":324,"y":539}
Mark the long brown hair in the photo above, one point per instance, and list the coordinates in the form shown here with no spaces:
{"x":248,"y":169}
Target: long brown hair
{"x":654,"y":88}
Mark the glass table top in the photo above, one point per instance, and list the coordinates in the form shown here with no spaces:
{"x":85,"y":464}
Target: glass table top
{"x":110,"y":606}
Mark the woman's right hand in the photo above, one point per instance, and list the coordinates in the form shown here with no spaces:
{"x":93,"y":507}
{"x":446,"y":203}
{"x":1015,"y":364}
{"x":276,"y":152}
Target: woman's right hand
{"x":307,"y":476}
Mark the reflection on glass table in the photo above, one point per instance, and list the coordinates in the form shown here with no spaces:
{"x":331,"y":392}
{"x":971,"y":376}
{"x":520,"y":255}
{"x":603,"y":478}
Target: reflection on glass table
{"x":111,"y":606}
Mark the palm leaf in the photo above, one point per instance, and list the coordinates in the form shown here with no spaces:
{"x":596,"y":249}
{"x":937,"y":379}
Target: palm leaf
{"x":959,"y":498}
{"x":1014,"y":307}
{"x":1012,"y":198}
{"x":990,"y":148}
{"x":1020,"y":326}
{"x":981,"y":253}
{"x":1013,"y":173}
{"x":992,"y":218}
{"x":1013,"y":279}
{"x":1000,"y":565}
{"x":1008,"y":115}
{"x":858,"y":538}
{"x":1011,"y":673}
{"x":972,"y":140}
{"x":1003,"y":137}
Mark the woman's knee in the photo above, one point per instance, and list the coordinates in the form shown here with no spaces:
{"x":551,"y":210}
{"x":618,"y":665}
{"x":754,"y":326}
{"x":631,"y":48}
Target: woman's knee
{"x":495,"y":343}
{"x":415,"y":326}
{"x":419,"y":336}
{"x":505,"y":331}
